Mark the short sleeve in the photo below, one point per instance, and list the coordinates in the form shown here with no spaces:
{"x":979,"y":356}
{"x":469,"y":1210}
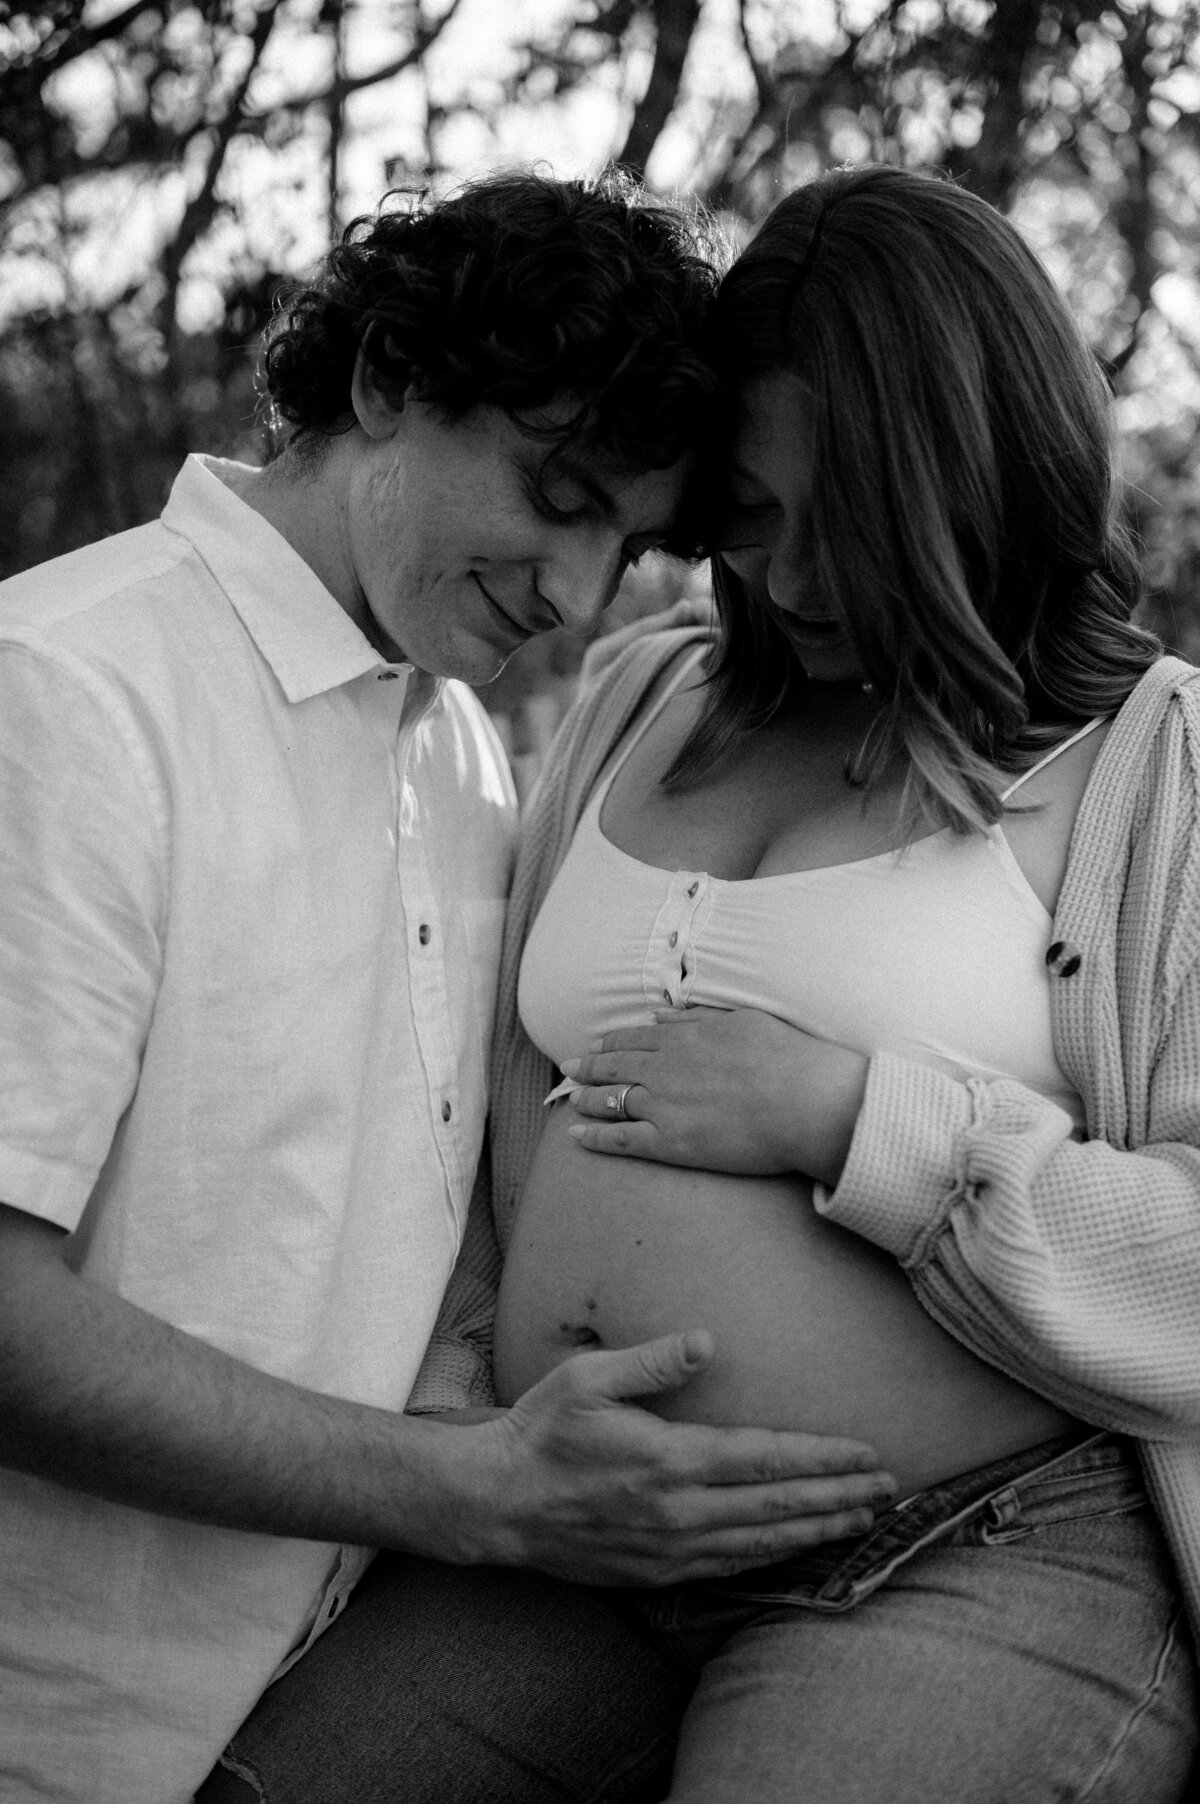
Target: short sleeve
{"x":82,"y":897}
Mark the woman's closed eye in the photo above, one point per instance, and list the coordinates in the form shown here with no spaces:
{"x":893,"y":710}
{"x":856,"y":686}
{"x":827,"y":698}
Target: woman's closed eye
{"x":745,"y":523}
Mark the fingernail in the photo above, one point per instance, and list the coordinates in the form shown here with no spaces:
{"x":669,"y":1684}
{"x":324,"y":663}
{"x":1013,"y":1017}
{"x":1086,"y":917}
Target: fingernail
{"x":570,"y":1066}
{"x":884,"y":1493}
{"x":577,"y":1132}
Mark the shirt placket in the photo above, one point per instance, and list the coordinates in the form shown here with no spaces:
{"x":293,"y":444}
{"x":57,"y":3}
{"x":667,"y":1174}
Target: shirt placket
{"x":403,"y":714}
{"x":669,"y":971}
{"x":425,"y":929}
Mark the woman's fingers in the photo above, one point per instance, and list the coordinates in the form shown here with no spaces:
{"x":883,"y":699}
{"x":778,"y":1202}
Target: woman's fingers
{"x":616,"y":1064}
{"x":617,"y":1099}
{"x":626,"y":1139}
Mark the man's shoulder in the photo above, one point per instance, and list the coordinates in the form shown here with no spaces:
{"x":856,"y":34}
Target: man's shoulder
{"x":75,"y":594}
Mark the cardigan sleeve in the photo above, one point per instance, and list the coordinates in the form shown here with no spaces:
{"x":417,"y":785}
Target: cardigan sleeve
{"x":1074,"y":1266}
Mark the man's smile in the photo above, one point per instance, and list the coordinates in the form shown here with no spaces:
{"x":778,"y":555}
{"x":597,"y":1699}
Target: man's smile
{"x":507,"y":620}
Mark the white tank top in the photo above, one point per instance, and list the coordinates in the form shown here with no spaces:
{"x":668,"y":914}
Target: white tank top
{"x":936,"y":951}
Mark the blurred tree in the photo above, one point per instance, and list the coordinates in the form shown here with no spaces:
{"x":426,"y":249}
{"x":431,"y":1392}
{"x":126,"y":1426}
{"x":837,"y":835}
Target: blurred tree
{"x":165,"y":163}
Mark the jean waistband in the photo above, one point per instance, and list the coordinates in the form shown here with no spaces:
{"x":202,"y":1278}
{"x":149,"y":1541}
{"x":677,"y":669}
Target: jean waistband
{"x":837,"y":1575}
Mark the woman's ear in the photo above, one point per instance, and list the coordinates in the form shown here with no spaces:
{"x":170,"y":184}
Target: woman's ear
{"x":376,"y":412}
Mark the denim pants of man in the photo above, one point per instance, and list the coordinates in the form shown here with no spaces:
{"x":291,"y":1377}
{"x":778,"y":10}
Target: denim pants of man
{"x":1012,"y":1637}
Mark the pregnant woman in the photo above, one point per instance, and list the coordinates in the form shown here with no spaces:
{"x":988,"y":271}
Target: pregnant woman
{"x":866,"y":934}
{"x":922,"y":825}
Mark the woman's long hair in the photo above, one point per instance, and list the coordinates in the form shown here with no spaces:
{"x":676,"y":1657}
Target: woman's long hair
{"x":962,"y":513}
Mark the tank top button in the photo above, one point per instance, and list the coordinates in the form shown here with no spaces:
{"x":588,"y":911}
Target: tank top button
{"x":1064,"y":958}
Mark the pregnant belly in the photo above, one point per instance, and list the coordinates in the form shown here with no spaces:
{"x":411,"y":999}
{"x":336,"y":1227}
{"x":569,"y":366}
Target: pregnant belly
{"x":815,"y":1328}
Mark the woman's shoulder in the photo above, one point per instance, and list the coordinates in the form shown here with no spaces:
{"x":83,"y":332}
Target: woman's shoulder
{"x":646,"y":648}
{"x":1169,"y":679}
{"x":1144,"y":788}
{"x":1164,"y":706}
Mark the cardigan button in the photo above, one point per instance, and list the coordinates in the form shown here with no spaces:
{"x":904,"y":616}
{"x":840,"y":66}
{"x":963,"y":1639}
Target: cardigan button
{"x":1064,"y":958}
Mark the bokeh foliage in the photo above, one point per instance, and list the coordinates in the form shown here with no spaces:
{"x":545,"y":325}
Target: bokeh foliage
{"x":166,"y":164}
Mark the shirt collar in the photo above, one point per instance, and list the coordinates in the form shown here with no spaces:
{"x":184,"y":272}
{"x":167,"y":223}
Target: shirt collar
{"x":305,"y":635}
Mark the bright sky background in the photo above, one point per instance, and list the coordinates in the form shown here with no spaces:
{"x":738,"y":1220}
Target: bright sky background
{"x":121,"y":223}
{"x":281,"y":190}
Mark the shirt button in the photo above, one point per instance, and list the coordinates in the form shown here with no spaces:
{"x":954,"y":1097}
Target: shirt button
{"x":445,"y":1111}
{"x":388,"y":676}
{"x":666,"y":995}
{"x":693,"y":889}
{"x":1064,"y":958}
{"x":423,"y":933}
{"x":674,"y":940}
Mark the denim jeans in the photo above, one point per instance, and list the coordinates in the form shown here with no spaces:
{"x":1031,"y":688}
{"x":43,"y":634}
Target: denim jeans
{"x":1011,"y":1637}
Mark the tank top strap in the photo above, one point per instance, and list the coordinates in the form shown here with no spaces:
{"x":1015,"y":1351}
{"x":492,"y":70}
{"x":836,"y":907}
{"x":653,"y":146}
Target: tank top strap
{"x":1054,"y":752}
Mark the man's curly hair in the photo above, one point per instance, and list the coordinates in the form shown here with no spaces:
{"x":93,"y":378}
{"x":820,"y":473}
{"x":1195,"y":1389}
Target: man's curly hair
{"x":515,"y":292}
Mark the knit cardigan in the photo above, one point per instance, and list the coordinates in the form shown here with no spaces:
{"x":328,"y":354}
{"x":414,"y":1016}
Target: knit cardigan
{"x":1074,"y":1266}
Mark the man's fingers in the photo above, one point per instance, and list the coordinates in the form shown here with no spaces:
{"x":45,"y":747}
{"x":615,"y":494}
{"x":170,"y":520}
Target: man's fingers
{"x":647,"y":1369}
{"x":763,"y":1509}
{"x":767,"y":1456}
{"x":742,"y":1550}
{"x":724,"y":1552}
{"x":789,"y":1462}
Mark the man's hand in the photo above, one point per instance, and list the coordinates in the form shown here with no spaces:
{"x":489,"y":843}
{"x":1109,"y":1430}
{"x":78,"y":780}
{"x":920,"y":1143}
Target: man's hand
{"x":577,"y":1480}
{"x":726,"y":1089}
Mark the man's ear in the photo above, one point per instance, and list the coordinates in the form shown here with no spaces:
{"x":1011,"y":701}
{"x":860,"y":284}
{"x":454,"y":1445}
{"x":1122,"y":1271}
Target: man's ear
{"x":376,"y":412}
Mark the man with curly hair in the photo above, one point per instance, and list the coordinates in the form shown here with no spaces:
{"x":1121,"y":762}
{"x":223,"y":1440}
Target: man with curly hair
{"x":252,"y":868}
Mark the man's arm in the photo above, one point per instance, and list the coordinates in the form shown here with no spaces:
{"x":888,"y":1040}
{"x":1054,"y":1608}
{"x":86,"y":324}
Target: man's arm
{"x":99,"y":1395}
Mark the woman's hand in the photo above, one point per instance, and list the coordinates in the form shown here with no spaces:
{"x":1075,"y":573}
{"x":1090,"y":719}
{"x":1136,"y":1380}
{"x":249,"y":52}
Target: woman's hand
{"x":727,"y":1089}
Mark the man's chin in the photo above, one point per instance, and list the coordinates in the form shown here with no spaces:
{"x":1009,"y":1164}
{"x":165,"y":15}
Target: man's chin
{"x":478,"y":662}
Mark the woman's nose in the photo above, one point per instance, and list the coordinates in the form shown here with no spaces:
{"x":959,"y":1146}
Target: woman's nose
{"x":783,"y":583}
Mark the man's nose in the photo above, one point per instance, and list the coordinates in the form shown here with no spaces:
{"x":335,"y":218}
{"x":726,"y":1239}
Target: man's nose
{"x":581,"y":577}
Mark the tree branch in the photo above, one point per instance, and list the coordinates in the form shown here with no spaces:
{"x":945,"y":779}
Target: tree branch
{"x":42,"y":62}
{"x":198,"y":213}
{"x":677,"y":21}
{"x":762,"y":81}
{"x":336,"y":91}
{"x":1134,"y":213}
{"x":995,"y":164}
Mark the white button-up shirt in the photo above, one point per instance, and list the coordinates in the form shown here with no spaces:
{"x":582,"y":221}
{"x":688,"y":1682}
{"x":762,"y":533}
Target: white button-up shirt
{"x":251,"y":889}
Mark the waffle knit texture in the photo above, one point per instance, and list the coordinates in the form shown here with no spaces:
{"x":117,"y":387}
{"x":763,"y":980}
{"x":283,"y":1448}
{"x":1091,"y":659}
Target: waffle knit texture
{"x":1074,"y":1266}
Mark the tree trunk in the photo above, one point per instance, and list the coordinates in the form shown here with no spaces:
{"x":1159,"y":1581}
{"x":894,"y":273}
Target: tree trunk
{"x":676,"y":23}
